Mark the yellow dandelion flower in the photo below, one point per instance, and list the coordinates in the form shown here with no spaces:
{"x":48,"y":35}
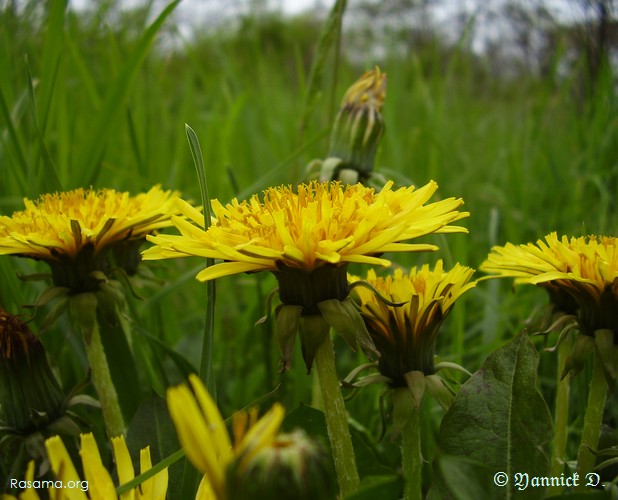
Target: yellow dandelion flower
{"x":97,"y":482}
{"x":77,"y":228}
{"x":319,"y":224}
{"x":205,"y":439}
{"x":405,"y":336}
{"x":583,"y":269}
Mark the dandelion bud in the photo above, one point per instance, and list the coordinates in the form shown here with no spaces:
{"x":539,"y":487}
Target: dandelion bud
{"x":293,"y":467}
{"x":405,"y":334}
{"x":358,"y":128}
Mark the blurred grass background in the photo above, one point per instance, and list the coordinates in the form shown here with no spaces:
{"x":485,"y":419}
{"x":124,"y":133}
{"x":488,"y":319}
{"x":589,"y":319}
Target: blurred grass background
{"x":100,"y":97}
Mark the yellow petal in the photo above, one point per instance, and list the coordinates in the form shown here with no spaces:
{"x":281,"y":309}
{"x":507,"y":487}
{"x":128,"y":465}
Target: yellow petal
{"x":220,"y":437}
{"x":227,"y":269}
{"x":154,"y":488}
{"x":63,"y":468}
{"x":124,"y":465}
{"x":100,"y":484}
{"x":205,"y":491}
{"x":30,"y":493}
{"x":194,"y":434}
{"x":261,"y":434}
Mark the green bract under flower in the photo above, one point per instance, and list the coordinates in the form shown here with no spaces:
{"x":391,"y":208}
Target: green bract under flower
{"x":315,"y":225}
{"x":293,"y":467}
{"x":32,"y":403}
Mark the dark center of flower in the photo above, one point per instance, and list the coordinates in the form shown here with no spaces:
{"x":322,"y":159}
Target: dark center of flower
{"x":304,"y":288}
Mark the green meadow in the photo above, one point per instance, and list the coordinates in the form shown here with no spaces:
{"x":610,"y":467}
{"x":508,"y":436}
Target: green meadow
{"x":101,"y":98}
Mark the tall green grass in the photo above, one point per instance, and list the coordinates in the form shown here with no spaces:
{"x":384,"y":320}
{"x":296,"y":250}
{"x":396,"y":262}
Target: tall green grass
{"x":85,"y":102}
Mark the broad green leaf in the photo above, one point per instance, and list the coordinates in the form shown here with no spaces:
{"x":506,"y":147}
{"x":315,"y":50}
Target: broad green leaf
{"x":499,"y":419}
{"x":466,"y":479}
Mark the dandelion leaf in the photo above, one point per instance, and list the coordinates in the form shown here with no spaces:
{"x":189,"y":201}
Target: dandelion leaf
{"x":500,"y":420}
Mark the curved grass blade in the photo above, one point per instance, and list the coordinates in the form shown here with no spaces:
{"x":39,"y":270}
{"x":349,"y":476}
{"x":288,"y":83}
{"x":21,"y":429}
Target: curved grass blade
{"x":206,"y":372}
{"x":207,"y":347}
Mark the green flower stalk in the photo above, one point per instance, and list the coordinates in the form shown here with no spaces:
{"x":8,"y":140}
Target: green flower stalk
{"x":83,"y":235}
{"x":357,"y":132}
{"x":403,"y":314}
{"x":583,"y":274}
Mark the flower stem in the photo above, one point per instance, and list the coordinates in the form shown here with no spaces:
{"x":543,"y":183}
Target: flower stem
{"x":592,"y":420}
{"x":561,"y":417}
{"x":102,"y":380}
{"x":85,"y":306}
{"x":336,"y":419}
{"x":412,"y":459}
